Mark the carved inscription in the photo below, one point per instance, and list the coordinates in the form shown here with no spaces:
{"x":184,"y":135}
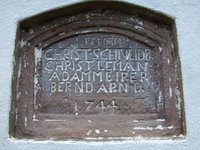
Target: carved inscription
{"x":99,"y":68}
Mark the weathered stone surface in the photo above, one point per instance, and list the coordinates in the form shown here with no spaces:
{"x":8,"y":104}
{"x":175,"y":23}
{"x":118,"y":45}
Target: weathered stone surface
{"x":101,"y":73}
{"x":97,"y":74}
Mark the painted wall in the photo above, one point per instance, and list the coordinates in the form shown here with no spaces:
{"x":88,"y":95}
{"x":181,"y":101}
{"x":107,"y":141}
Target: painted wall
{"x":187,"y":17}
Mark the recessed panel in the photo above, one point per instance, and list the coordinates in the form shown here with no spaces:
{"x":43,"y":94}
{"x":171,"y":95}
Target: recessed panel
{"x":98,"y":74}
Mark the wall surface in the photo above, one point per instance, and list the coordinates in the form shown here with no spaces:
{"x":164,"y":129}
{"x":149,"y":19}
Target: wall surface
{"x":187,"y":17}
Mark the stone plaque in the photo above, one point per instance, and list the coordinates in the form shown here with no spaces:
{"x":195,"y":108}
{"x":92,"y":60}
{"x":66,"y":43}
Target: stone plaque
{"x":97,"y":75}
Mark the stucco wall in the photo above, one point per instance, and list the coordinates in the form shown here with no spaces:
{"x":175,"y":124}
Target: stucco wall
{"x":187,"y":17}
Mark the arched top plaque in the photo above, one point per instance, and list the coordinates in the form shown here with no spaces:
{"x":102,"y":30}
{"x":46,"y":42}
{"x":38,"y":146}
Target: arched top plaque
{"x":97,"y":71}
